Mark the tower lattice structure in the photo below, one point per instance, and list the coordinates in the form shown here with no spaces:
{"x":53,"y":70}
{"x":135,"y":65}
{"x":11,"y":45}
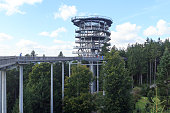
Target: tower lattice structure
{"x":92,"y":33}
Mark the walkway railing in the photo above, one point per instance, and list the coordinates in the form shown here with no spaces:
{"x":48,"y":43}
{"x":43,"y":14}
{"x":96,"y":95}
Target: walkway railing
{"x":8,"y":61}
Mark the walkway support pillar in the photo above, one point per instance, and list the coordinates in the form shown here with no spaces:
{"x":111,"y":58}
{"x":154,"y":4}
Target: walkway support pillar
{"x":97,"y":77}
{"x":62,"y":80}
{"x":51,"y":87}
{"x":92,"y":83}
{"x":4,"y":107}
{"x":0,"y":92}
{"x":21,"y":89}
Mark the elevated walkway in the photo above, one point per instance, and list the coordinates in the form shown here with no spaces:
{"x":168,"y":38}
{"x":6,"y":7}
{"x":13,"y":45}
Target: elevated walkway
{"x":8,"y":61}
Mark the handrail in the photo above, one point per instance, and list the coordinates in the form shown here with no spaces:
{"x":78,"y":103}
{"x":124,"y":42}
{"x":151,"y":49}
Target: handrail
{"x":91,"y":16}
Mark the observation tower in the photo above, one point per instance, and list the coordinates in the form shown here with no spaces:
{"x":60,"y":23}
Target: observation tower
{"x":92,"y":33}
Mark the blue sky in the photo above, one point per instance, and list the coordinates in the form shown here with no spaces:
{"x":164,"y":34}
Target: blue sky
{"x":45,"y":25}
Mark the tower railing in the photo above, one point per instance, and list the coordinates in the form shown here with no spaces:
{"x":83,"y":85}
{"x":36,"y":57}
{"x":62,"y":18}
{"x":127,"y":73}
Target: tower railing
{"x":91,"y":16}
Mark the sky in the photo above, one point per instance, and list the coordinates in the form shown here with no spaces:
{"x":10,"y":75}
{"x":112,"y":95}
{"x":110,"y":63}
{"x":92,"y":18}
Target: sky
{"x":45,"y":25}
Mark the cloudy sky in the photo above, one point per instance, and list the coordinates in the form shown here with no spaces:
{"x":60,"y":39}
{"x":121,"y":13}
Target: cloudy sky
{"x":45,"y":25}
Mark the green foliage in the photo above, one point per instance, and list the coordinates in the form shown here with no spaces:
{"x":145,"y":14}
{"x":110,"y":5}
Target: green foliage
{"x":164,"y":78}
{"x":164,"y":67}
{"x":99,"y":101}
{"x":105,"y":49}
{"x":142,"y":106}
{"x":136,"y":93}
{"x":117,"y":85}
{"x":16,"y":107}
{"x":61,"y":54}
{"x":37,"y":90}
{"x":12,"y":88}
{"x":80,"y":104}
{"x":77,"y":96}
{"x":144,"y":90}
{"x":150,"y":95}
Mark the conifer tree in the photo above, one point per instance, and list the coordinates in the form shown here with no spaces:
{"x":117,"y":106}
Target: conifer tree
{"x":164,"y":77}
{"x":117,"y":85}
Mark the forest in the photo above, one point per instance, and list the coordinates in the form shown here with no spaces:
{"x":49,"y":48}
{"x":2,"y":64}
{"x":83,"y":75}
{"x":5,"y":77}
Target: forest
{"x":135,"y":80}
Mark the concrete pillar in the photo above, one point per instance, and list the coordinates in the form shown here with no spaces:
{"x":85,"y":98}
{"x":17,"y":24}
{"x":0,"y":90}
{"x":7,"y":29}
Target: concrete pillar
{"x":4,"y":107}
{"x":92,"y":83}
{"x":21,"y":89}
{"x":97,"y":77}
{"x":51,"y":87}
{"x":62,"y":80}
{"x":0,"y":92}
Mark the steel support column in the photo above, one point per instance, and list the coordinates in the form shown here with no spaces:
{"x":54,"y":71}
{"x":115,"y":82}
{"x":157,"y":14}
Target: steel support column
{"x":0,"y":92}
{"x":62,"y":80}
{"x":92,"y":83}
{"x":97,"y":77}
{"x":4,"y":107}
{"x":51,"y":87}
{"x":21,"y":89}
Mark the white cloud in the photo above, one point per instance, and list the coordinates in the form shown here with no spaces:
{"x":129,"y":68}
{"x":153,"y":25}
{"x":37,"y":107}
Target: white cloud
{"x":12,"y":6}
{"x":44,"y":33}
{"x":54,"y":33}
{"x":5,"y":50}
{"x":125,"y":34}
{"x":65,"y":46}
{"x":58,"y":41}
{"x":65,"y":12}
{"x":162,"y":28}
{"x":25,"y":43}
{"x":4,"y":36}
{"x":26,"y":46}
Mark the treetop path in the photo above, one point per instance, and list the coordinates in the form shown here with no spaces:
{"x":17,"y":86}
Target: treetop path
{"x":9,"y":61}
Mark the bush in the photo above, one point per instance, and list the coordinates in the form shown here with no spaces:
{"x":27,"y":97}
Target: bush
{"x":150,"y":95}
{"x":136,"y":93}
{"x":144,"y":90}
{"x":99,"y":101}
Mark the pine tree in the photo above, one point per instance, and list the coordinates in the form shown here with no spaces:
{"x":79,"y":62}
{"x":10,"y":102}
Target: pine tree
{"x":164,"y":77}
{"x":117,"y":85}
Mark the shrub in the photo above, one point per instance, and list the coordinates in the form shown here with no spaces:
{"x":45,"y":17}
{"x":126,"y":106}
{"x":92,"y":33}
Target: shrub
{"x":136,"y":93}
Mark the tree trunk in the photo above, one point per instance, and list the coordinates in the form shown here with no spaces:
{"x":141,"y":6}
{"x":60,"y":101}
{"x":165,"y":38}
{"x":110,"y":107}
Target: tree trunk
{"x":150,"y":73}
{"x":155,"y":72}
{"x":132,"y":82}
{"x":141,"y":78}
{"x":147,"y":74}
{"x":147,"y":78}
